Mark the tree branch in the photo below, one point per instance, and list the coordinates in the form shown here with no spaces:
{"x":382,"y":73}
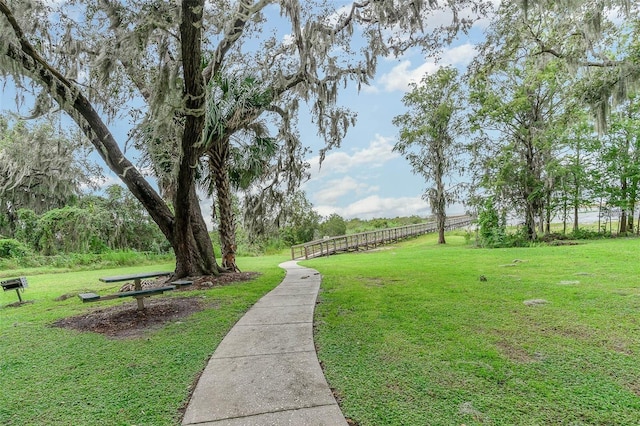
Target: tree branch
{"x":244,"y":13}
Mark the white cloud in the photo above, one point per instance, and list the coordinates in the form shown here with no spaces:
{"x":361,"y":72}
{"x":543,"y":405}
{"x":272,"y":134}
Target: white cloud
{"x":336,"y":188}
{"x":402,"y":75}
{"x":376,"y":206}
{"x":379,"y":151}
{"x":369,"y":89}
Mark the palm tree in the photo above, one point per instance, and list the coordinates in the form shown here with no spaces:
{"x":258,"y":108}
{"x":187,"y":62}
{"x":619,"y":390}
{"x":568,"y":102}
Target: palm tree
{"x":234,"y":106}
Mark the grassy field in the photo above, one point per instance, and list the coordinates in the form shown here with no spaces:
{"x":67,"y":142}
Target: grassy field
{"x":415,"y":335}
{"x":54,"y":376}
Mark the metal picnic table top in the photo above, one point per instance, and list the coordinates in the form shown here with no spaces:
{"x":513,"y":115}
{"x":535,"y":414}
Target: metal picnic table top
{"x":134,"y":277}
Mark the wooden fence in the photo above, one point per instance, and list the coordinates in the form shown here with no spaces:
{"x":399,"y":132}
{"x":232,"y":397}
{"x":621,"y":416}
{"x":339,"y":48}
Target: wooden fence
{"x":372,"y":239}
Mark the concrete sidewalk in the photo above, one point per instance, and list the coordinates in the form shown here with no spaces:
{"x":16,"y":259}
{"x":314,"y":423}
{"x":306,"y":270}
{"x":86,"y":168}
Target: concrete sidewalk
{"x":265,"y":371}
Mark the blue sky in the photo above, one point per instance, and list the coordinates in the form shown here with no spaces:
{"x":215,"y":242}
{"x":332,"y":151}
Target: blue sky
{"x":364,"y":178}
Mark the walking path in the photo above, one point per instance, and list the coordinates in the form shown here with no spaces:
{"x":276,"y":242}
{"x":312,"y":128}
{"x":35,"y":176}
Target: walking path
{"x":265,"y":371}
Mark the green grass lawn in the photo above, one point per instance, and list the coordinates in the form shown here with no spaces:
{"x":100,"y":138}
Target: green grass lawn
{"x":54,"y":376}
{"x":410,"y":335}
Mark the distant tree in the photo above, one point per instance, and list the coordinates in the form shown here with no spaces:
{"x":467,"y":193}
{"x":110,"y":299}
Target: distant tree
{"x":298,"y":222}
{"x":578,"y":164}
{"x":520,"y":102}
{"x":429,"y":137}
{"x":333,"y":226}
{"x":518,"y":109}
{"x":620,"y":161}
{"x":129,"y":225}
{"x":40,"y":170}
{"x":71,"y":230}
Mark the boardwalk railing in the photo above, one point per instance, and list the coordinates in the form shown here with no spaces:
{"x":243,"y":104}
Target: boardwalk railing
{"x":370,"y":240}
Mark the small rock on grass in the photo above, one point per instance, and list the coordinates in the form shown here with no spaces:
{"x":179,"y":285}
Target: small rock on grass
{"x":535,"y":302}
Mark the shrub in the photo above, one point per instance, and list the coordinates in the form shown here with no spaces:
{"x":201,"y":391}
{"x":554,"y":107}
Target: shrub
{"x":492,"y":230}
{"x":10,"y":248}
{"x":587,"y":234}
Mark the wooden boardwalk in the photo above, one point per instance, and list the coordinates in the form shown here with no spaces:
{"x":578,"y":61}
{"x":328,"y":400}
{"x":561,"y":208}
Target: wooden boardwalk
{"x":370,"y":240}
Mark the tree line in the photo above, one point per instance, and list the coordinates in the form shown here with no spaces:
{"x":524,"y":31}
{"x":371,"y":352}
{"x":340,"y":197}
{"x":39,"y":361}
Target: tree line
{"x":46,"y":201}
{"x":543,"y":123}
{"x":50,"y":203}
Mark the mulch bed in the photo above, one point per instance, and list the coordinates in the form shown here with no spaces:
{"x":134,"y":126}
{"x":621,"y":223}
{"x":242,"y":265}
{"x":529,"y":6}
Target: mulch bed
{"x":125,"y":321}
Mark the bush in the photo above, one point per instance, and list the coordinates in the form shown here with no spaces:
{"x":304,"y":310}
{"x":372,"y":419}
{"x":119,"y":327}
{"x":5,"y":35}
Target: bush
{"x":492,"y":230}
{"x":10,"y":248}
{"x":587,"y":234}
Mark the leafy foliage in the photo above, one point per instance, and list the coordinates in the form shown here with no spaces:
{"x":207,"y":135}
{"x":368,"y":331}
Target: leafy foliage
{"x":93,"y":225}
{"x":333,"y":226}
{"x":299,"y":223}
{"x":40,"y":169}
{"x":492,"y":226}
{"x":12,"y":248}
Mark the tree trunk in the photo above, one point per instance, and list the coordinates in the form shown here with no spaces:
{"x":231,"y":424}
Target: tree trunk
{"x":440,"y":198}
{"x":564,"y":219}
{"x":530,"y":222}
{"x":194,"y":251}
{"x":547,"y":214}
{"x":218,"y":155}
{"x":623,"y":209}
{"x":440,"y":211}
{"x":441,"y":225}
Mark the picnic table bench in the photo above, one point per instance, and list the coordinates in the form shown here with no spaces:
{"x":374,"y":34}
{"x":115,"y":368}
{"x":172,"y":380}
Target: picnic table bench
{"x":139,"y":293}
{"x":16,"y":284}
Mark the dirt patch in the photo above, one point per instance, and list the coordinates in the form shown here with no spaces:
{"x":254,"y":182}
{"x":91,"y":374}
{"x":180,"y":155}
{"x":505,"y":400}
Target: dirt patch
{"x":516,"y":353}
{"x":65,"y":297}
{"x":563,"y":243}
{"x":18,"y":304}
{"x":125,"y":321}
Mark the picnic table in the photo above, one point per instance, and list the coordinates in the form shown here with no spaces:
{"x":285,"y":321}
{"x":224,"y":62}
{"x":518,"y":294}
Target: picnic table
{"x":138,"y":292}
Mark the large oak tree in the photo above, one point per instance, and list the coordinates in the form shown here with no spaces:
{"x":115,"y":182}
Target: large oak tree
{"x":151,"y":61}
